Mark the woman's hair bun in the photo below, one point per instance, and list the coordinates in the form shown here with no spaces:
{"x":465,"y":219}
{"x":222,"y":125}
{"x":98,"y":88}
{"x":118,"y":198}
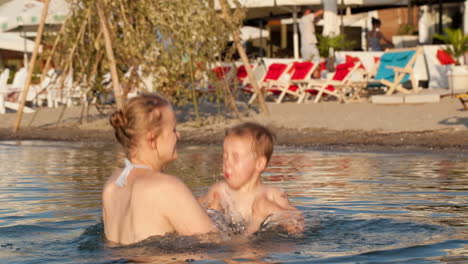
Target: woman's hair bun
{"x":118,"y":120}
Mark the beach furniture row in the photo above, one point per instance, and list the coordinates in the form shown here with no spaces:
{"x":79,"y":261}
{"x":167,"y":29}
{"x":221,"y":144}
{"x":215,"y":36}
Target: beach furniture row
{"x":356,"y":75}
{"x":279,"y":79}
{"x":50,"y":90}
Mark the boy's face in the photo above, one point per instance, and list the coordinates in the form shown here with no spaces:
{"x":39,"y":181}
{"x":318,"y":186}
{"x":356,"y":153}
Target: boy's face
{"x":240,"y":163}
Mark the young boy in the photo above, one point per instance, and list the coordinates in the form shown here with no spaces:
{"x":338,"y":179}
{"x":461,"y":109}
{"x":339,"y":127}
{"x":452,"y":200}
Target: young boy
{"x":243,"y":199}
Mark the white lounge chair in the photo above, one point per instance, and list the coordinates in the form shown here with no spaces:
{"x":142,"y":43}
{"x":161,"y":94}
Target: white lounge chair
{"x":16,"y":87}
{"x":3,"y":89}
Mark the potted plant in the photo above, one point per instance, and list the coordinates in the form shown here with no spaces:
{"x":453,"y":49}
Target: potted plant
{"x":405,"y":37}
{"x":327,"y":44}
{"x":457,"y":47}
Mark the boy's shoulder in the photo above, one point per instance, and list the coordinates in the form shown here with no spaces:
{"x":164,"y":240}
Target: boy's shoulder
{"x":219,"y":187}
{"x":272,"y":192}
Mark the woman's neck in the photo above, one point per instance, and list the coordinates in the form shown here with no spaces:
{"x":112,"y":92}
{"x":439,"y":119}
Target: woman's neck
{"x":149,"y":161}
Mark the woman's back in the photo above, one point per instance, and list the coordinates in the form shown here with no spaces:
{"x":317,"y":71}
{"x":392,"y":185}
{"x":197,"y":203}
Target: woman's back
{"x":373,"y":39}
{"x":129,"y":216}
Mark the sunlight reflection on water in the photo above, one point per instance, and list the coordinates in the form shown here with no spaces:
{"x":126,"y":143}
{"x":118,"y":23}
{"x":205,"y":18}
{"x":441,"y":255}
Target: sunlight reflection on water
{"x":359,"y":207}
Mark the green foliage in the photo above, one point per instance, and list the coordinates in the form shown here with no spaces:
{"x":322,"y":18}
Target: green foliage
{"x":172,"y":41}
{"x":406,"y":29}
{"x":457,"y":41}
{"x":338,"y":42}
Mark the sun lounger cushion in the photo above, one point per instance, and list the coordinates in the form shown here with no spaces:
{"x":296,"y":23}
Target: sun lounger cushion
{"x":301,"y":70}
{"x":444,"y":58}
{"x":221,"y":71}
{"x":353,"y":59}
{"x":396,"y":59}
{"x":342,"y":70}
{"x":241,"y":73}
{"x":275,"y":71}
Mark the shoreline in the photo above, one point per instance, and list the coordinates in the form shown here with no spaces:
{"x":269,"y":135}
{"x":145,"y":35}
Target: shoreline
{"x":440,"y":141}
{"x":435,"y":128}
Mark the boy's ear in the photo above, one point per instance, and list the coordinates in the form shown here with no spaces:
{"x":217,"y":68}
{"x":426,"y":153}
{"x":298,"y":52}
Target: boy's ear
{"x":261,"y":163}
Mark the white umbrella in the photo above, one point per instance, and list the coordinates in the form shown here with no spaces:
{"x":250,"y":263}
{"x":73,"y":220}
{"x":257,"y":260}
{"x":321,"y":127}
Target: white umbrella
{"x":11,"y":41}
{"x":330,"y":18}
{"x":425,"y":26}
{"x":23,"y":14}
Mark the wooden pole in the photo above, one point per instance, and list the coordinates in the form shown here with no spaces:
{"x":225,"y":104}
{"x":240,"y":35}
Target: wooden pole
{"x":245,"y":59}
{"x":72,"y":52}
{"x":110,"y":56}
{"x":54,"y":47}
{"x":37,"y":43}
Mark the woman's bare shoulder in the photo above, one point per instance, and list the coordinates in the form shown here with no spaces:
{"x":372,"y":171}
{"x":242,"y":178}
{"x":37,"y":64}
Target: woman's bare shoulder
{"x":109,"y":184}
{"x":159,"y":183}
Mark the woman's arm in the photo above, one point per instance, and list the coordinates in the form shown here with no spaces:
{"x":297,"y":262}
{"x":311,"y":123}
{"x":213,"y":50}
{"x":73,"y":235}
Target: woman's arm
{"x":182,"y":209}
{"x":385,"y":39}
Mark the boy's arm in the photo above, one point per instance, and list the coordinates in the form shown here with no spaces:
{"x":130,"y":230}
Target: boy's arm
{"x":275,"y":203}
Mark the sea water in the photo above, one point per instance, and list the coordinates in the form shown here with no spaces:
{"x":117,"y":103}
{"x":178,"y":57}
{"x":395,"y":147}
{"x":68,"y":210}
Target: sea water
{"x":358,"y":207}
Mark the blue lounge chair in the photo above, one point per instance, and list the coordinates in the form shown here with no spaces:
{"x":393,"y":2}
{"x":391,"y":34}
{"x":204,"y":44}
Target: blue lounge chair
{"x":395,"y":68}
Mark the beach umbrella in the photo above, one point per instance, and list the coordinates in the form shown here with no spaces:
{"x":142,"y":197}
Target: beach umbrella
{"x":330,"y":18}
{"x":465,"y":18}
{"x":24,"y":16}
{"x":11,"y":41}
{"x":426,"y":26}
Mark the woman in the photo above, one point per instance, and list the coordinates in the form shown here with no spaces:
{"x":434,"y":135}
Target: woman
{"x":140,"y":200}
{"x":375,"y":37}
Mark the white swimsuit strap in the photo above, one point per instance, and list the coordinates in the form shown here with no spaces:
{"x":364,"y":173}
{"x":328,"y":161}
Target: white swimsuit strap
{"x":122,"y":179}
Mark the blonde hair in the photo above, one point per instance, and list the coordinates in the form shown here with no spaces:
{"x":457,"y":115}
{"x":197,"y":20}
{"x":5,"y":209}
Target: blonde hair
{"x":139,"y":115}
{"x":262,"y":138}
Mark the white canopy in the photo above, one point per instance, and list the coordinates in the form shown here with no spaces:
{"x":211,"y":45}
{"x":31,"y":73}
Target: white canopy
{"x":248,"y":32}
{"x":12,"y":41}
{"x":249,"y":3}
{"x":270,"y":3}
{"x":17,"y":13}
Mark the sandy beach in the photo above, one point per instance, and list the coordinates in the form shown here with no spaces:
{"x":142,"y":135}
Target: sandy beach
{"x":439,"y":127}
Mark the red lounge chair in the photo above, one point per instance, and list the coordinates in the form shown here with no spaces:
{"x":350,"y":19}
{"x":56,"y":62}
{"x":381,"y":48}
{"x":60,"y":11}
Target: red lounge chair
{"x":222,"y":74}
{"x":297,"y":77}
{"x":274,"y":72}
{"x":335,"y":87}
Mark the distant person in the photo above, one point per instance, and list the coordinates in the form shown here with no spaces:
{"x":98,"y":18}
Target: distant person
{"x":140,"y":200}
{"x":307,"y":22}
{"x":375,"y":37}
{"x":242,"y":197}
